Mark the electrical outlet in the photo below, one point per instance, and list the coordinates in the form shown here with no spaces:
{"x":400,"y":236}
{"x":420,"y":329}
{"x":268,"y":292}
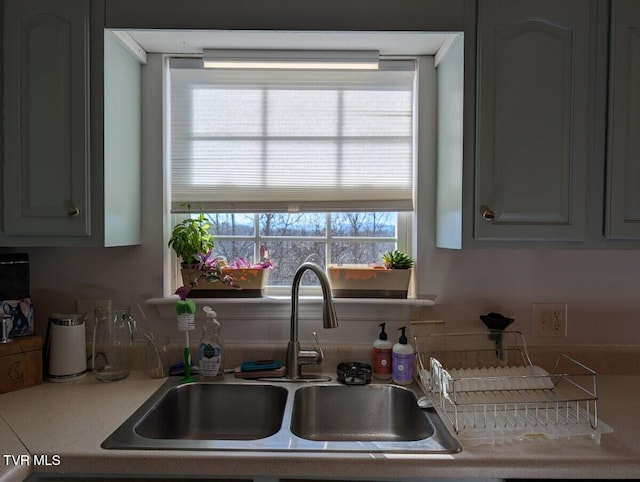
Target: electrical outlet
{"x":550,"y":319}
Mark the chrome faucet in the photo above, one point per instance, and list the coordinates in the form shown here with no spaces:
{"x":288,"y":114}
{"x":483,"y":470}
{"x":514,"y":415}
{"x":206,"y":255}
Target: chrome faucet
{"x":295,"y":356}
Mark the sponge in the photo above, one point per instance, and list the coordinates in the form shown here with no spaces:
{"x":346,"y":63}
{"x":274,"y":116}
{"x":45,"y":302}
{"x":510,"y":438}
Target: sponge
{"x":277,"y":373}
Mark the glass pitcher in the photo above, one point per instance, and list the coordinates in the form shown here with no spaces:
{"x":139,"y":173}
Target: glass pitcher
{"x":112,"y":343}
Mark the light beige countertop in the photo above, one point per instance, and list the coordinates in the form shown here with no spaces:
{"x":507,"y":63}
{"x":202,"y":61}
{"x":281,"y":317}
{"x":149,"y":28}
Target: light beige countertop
{"x":67,"y":422}
{"x":12,"y":469}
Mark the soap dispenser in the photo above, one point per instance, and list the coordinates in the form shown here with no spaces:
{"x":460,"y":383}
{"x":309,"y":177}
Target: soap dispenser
{"x":210,"y":349}
{"x":402,"y":360}
{"x":382,"y":355}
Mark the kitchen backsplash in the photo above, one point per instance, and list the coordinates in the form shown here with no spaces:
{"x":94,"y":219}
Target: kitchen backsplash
{"x":599,"y":287}
{"x":604,"y":360}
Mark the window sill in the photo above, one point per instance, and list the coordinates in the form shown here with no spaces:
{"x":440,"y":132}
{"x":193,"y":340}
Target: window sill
{"x":310,"y":307}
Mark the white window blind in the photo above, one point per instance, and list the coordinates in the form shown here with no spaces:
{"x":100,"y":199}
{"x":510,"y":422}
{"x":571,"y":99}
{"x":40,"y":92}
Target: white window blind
{"x":273,"y":140}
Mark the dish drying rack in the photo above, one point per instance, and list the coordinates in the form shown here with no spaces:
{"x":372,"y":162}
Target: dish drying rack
{"x":485,"y":387}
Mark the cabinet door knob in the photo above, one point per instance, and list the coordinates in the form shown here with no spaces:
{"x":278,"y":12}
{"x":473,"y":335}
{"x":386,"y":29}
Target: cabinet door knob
{"x":487,"y":214}
{"x":73,"y":211}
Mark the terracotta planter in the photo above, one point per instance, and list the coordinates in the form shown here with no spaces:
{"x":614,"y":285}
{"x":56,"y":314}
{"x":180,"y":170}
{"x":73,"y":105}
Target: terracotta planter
{"x":250,"y":281}
{"x":361,"y":281}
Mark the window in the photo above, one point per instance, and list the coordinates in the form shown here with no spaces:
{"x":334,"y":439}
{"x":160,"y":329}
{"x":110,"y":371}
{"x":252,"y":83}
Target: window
{"x":313,"y":164}
{"x":292,"y":238}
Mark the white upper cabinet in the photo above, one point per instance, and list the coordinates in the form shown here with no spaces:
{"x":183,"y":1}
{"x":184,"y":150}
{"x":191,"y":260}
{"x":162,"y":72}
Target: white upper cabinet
{"x":61,"y":184}
{"x":623,"y":186}
{"x":552,"y":158}
{"x":46,"y":118}
{"x":537,"y":92}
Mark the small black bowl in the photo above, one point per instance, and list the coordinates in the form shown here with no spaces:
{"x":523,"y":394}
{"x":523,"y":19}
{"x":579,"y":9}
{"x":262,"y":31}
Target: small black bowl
{"x":354,"y":373}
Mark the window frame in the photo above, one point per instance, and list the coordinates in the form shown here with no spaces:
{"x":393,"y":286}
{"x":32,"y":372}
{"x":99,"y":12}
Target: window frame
{"x":414,"y":235}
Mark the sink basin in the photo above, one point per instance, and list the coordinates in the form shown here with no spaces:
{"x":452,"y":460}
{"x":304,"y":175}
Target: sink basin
{"x":283,"y":417}
{"x":216,"y":412}
{"x":204,"y":416}
{"x":358,"y":413}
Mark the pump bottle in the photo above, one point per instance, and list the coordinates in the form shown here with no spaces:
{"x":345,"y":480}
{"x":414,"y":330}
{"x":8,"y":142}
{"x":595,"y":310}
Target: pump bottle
{"x":382,"y":355}
{"x":210,"y":349}
{"x":402,"y":360}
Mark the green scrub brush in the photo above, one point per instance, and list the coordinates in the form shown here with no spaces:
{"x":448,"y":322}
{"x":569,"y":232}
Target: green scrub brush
{"x":186,"y":310}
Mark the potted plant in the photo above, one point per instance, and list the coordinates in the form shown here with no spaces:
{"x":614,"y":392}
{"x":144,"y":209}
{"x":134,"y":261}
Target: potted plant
{"x":397,"y":260}
{"x":206,"y":275}
{"x":214,"y":277}
{"x":387,"y":280}
{"x":191,"y":237}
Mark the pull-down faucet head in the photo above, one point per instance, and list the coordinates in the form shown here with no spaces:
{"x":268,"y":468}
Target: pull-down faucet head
{"x":329,"y":318}
{"x":295,"y":356}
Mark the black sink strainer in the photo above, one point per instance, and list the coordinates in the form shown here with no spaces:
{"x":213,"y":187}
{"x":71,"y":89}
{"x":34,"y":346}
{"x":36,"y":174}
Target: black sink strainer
{"x":354,"y":373}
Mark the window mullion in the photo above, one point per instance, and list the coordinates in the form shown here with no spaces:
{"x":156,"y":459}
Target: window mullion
{"x":256,"y":237}
{"x":329,"y":239}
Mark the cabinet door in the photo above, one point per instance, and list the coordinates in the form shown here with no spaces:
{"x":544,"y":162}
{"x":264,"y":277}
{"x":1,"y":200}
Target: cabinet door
{"x":623,"y":195}
{"x":535,"y":111}
{"x":46,"y":125}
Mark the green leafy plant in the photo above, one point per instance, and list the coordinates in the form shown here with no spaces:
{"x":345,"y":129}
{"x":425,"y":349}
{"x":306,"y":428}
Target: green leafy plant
{"x":191,"y":237}
{"x":397,"y":260}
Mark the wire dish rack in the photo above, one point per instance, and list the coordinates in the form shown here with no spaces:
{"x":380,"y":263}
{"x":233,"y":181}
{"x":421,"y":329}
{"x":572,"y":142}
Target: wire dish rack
{"x":486,"y":388}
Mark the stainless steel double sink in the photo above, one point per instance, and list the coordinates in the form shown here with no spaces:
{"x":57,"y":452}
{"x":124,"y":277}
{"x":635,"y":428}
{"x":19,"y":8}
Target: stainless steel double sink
{"x":260,"y":416}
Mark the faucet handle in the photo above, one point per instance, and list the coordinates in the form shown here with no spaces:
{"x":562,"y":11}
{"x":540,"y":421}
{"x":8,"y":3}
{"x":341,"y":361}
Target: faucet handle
{"x":320,"y":352}
{"x":311,"y":357}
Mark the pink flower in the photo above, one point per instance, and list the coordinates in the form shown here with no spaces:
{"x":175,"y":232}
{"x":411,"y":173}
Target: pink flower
{"x":242,"y":263}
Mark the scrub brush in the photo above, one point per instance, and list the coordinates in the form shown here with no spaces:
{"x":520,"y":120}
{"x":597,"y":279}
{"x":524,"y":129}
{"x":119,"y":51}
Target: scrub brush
{"x":186,"y":310}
